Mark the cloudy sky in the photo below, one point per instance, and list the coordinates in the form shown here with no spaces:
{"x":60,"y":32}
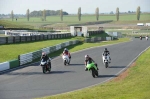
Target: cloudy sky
{"x":71,"y":6}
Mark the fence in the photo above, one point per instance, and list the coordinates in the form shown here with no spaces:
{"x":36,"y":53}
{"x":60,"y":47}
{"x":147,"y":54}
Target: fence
{"x":96,"y":39}
{"x":17,"y":39}
{"x":95,"y":32}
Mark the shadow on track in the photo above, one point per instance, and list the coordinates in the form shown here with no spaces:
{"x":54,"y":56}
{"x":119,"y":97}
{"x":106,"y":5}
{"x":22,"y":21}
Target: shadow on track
{"x":24,"y":73}
{"x":37,"y":73}
{"x":61,"y":72}
{"x":117,"y":66}
{"x":104,"y":76}
{"x":76,"y":64}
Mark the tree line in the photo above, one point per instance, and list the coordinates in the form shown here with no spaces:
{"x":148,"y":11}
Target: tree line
{"x":45,"y":13}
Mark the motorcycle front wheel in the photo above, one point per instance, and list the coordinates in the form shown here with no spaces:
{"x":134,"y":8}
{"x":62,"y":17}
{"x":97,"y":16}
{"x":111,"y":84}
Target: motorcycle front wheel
{"x":64,"y":62}
{"x":106,"y":65}
{"x":44,"y":69}
{"x":93,"y":72}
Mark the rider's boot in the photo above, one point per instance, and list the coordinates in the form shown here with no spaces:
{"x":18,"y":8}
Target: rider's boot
{"x":86,"y":69}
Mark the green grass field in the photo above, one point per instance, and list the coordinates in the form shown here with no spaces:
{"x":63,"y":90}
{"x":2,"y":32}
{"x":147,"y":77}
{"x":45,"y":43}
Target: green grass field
{"x":73,"y":19}
{"x":11,"y":51}
{"x":134,"y":83}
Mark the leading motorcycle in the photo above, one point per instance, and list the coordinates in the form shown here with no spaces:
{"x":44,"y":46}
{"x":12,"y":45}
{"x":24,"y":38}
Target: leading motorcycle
{"x":46,"y":65}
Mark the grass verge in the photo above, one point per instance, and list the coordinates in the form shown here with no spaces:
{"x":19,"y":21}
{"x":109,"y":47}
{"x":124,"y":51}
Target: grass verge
{"x":134,"y":83}
{"x":11,"y":51}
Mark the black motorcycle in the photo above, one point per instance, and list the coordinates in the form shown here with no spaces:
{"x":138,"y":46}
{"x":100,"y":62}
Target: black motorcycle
{"x":46,"y":66}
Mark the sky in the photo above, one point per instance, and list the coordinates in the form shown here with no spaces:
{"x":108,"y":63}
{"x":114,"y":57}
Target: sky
{"x":71,"y":6}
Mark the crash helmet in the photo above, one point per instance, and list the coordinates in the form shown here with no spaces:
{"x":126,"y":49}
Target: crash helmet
{"x":86,"y":56}
{"x":65,"y":49}
{"x":43,"y":54}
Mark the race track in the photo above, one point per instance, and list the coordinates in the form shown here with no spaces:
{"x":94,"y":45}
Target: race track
{"x":30,"y":82}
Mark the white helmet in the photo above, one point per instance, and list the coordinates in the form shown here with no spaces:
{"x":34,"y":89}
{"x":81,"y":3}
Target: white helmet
{"x":43,"y":54}
{"x":86,"y":56}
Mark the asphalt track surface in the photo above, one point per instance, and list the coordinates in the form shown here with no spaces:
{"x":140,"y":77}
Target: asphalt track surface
{"x":30,"y":82}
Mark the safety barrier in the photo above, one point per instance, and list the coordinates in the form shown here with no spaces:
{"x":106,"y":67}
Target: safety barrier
{"x":96,"y":39}
{"x":95,"y":32}
{"x":9,"y":64}
{"x":29,"y":57}
{"x":17,"y":39}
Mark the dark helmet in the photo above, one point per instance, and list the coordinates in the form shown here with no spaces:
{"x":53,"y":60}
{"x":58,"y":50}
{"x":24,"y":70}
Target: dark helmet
{"x":105,"y":49}
{"x":65,"y":49}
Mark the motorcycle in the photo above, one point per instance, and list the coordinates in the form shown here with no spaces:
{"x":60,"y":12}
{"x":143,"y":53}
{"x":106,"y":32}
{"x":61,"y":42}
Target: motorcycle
{"x":106,"y":60}
{"x":147,"y":38}
{"x":140,"y":38}
{"x":93,"y":69}
{"x":46,"y":66}
{"x":66,"y":59}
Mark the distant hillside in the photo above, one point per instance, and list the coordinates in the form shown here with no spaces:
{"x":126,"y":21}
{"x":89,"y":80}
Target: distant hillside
{"x":48,"y":13}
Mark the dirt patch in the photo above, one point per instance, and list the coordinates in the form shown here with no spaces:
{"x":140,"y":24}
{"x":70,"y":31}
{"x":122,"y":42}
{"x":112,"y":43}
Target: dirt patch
{"x":133,"y":64}
{"x":124,"y":74}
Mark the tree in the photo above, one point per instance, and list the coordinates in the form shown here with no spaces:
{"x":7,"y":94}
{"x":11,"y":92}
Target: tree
{"x":97,"y":13}
{"x":79,"y":13}
{"x":28,"y":14}
{"x":117,"y":14}
{"x":61,"y":15}
{"x":111,"y":12}
{"x":44,"y":15}
{"x":12,"y":15}
{"x":129,"y":12}
{"x":138,"y":13}
{"x":48,"y":13}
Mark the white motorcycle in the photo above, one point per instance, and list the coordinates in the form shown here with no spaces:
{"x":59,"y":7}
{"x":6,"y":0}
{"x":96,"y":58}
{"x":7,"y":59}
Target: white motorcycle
{"x":146,"y":38}
{"x":106,"y":60}
{"x":66,"y":59}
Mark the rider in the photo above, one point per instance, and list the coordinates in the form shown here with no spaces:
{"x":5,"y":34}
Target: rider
{"x":66,"y":52}
{"x":146,"y":37}
{"x":45,"y":57}
{"x":106,"y":53}
{"x":89,"y":60}
{"x":141,"y":37}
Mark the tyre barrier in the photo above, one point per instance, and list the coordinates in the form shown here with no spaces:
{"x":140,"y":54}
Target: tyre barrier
{"x":30,"y":57}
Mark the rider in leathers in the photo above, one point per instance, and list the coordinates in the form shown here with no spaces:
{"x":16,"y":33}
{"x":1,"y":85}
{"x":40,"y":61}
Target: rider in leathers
{"x":89,"y":60}
{"x":106,"y":53}
{"x":45,"y":57}
{"x":66,"y":52}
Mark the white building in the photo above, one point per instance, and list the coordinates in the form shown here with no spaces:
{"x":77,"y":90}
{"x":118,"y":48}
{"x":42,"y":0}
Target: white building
{"x":79,"y":31}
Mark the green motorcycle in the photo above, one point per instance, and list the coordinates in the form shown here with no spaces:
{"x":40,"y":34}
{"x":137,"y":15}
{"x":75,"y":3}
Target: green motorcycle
{"x":93,"y":69}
